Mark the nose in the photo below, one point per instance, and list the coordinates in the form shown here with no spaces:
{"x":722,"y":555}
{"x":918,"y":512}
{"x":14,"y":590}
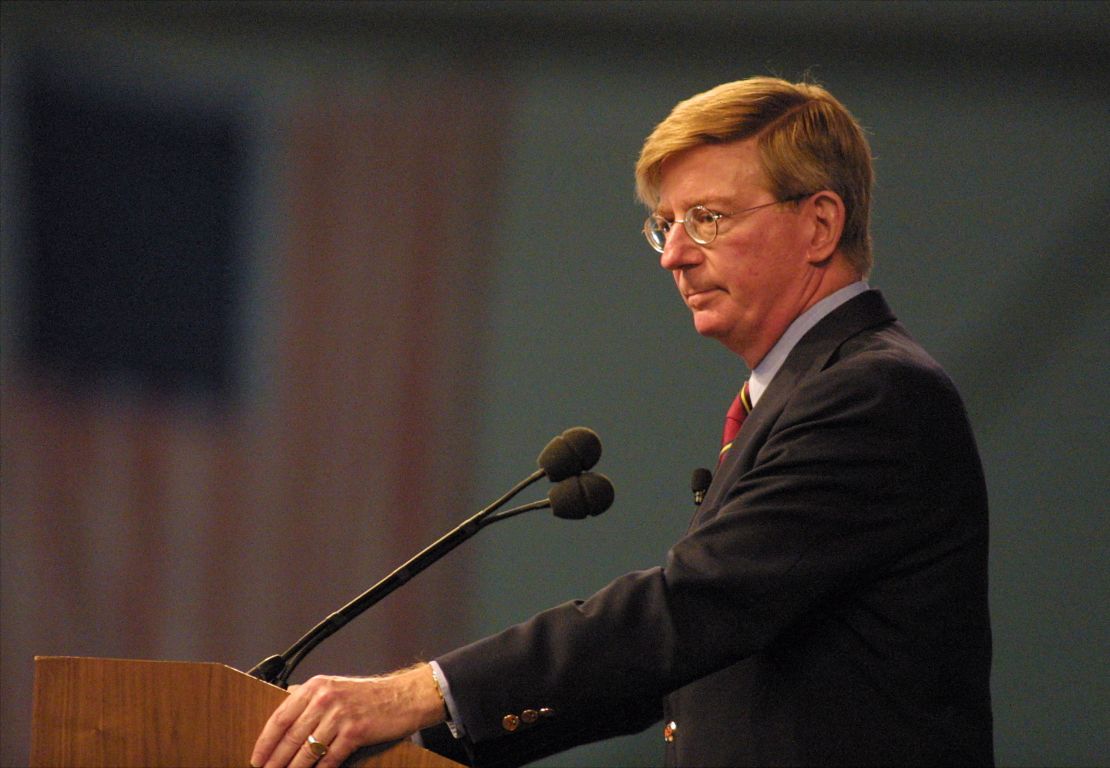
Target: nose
{"x":680,"y":250}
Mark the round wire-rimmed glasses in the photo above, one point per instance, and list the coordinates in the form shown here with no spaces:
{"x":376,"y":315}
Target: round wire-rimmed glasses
{"x":699,"y":221}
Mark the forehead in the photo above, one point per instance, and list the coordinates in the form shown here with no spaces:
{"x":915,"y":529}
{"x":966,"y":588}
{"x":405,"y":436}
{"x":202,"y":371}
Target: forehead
{"x":711,"y":172}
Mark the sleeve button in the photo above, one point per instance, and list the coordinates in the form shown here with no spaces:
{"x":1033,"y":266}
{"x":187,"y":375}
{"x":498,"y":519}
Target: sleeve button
{"x":510,"y":722}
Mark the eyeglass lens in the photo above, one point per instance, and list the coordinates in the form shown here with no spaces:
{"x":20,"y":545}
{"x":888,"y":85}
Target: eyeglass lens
{"x":699,"y":221}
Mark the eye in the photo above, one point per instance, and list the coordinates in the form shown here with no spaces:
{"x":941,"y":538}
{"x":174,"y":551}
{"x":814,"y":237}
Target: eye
{"x":699,"y":216}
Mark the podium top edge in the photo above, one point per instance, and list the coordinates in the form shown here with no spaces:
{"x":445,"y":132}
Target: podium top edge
{"x":113,"y":660}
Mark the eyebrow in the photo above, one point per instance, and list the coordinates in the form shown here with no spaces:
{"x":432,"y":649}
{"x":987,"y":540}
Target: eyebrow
{"x":711,"y":202}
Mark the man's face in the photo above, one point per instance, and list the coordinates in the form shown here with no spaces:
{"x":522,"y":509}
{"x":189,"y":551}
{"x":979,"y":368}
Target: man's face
{"x":747,"y":285}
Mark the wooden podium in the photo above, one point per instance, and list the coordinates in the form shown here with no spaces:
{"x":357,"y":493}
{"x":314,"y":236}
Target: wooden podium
{"x":115,"y":713}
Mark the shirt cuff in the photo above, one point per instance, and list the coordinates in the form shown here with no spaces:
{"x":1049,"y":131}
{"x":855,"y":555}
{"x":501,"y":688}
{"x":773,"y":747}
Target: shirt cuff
{"x":454,"y":724}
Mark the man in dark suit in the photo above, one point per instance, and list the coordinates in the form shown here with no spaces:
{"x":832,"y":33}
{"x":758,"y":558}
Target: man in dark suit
{"x":828,"y":604}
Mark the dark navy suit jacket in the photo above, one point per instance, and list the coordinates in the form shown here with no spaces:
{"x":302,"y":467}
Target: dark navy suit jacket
{"x":828,"y":604}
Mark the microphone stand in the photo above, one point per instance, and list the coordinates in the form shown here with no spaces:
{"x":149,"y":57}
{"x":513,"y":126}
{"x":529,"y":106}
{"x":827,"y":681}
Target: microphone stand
{"x":277,"y":669}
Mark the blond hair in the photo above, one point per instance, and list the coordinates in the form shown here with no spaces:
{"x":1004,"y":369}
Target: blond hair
{"x":807,"y":142}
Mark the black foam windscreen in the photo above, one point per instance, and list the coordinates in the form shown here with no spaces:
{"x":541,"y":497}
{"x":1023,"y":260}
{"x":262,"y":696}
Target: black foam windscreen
{"x":581,"y":495}
{"x":575,"y":450}
{"x":700,"y":480}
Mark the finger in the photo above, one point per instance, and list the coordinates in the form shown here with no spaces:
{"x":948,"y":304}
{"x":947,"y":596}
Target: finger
{"x":338,"y":751}
{"x":319,"y":745}
{"x":331,"y":711}
{"x":339,"y":748}
{"x":292,"y":752}
{"x":311,"y":752}
{"x":293,"y":748}
{"x":276,"y":729}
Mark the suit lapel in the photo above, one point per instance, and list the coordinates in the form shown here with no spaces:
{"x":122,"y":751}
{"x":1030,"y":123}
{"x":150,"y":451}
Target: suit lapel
{"x":812,"y":353}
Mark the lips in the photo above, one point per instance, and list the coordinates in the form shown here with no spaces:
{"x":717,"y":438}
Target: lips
{"x":697,"y":296}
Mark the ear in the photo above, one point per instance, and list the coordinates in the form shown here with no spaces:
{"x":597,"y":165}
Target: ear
{"x":828,"y":225}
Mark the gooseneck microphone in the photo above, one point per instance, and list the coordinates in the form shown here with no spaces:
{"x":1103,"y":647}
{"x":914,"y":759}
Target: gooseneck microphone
{"x":576,"y":493}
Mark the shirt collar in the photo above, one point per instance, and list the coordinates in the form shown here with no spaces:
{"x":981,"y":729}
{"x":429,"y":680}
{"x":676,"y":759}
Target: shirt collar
{"x":773,"y":360}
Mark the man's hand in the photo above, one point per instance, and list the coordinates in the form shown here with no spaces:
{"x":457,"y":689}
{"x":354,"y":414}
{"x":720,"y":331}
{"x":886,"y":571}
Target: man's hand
{"x":342,"y":714}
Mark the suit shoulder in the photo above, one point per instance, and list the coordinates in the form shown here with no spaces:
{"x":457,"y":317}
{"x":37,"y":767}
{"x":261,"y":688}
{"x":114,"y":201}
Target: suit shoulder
{"x":880,"y":375}
{"x":888,"y":355}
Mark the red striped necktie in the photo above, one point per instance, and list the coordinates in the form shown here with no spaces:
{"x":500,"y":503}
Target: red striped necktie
{"x":737,"y":412}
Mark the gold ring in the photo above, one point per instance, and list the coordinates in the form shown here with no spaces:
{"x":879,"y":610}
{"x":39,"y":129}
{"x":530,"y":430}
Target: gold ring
{"x":317,"y":749}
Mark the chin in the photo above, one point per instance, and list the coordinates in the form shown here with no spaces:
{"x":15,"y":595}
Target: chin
{"x":706,"y":326}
